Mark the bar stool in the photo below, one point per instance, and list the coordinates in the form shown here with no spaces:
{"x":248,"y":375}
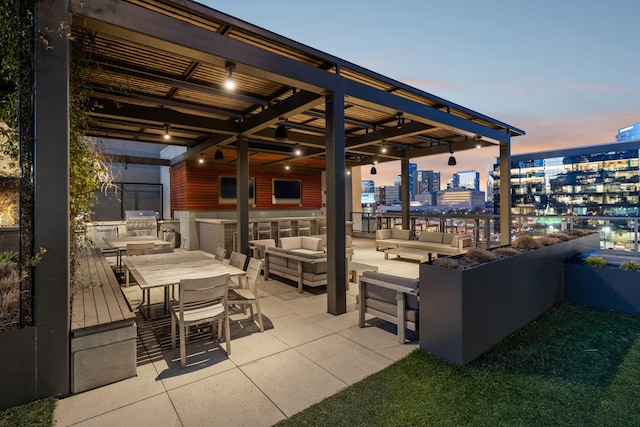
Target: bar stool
{"x":322,"y":226}
{"x":284,"y":227}
{"x":264,"y":229}
{"x":304,"y":227}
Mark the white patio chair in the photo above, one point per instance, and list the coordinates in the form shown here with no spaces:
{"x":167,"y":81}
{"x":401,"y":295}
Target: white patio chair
{"x":201,"y":301}
{"x":247,"y":294}
{"x":220,"y":254}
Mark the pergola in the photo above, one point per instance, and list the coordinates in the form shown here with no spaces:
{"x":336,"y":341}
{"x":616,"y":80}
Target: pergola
{"x":161,"y":65}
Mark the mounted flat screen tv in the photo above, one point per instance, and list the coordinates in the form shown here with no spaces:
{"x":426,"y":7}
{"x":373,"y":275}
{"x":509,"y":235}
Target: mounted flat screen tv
{"x":287,"y":191}
{"x":228,"y":191}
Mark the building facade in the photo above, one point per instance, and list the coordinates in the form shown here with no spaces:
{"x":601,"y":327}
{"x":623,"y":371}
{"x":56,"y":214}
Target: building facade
{"x":595,"y":180}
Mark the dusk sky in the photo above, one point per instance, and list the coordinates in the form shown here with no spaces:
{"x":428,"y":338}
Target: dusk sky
{"x":566,"y":72}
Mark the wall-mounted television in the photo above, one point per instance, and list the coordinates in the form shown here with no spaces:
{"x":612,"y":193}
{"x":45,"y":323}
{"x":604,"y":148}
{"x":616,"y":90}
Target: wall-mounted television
{"x":228,"y":191}
{"x":287,"y":191}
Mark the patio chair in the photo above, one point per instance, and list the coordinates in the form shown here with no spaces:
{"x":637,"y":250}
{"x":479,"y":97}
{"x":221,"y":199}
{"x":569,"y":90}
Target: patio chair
{"x":201,"y":301}
{"x":237,"y":260}
{"x":220,"y":254}
{"x":304,"y":227}
{"x":247,"y":294}
{"x":138,"y":248}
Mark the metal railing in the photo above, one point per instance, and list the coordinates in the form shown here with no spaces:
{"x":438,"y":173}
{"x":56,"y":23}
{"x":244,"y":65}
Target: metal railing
{"x":617,"y":233}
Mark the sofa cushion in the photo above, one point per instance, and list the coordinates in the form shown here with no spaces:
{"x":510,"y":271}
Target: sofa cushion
{"x":400,"y":234}
{"x":314,"y":268}
{"x":383,"y":234}
{"x":447,"y":238}
{"x":311,"y":243}
{"x":430,"y":236}
{"x":294,"y":242}
{"x":306,"y":253}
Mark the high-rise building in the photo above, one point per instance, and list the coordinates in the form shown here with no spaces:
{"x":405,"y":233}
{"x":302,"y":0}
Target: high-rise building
{"x":595,"y":180}
{"x":467,"y":179}
{"x":427,"y":181}
{"x":461,"y":199}
{"x":368,"y":186}
{"x":412,"y":180}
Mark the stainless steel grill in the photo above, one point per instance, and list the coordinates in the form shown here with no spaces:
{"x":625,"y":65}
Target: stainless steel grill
{"x":141,"y":223}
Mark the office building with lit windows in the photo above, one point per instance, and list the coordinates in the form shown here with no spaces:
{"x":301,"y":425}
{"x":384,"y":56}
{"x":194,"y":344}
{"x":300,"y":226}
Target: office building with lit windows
{"x":595,"y":180}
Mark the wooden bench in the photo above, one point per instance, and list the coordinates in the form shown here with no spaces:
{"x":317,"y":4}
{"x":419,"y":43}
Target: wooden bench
{"x":103,"y":328}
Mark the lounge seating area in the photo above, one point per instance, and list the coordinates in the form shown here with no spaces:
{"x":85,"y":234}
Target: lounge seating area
{"x":300,"y":258}
{"x":437,"y":242}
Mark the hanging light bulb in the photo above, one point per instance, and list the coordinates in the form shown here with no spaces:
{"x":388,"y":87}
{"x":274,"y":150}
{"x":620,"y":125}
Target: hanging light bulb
{"x":383,"y":150}
{"x":201,"y":159}
{"x":373,"y":170}
{"x":297,"y":150}
{"x":400,"y":120}
{"x":166,"y":132}
{"x":218,"y":155}
{"x":286,"y":166}
{"x":348,"y":171}
{"x":230,"y":83}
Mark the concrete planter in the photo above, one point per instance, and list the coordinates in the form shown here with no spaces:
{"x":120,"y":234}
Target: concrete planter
{"x":464,"y":313}
{"x":608,"y":288}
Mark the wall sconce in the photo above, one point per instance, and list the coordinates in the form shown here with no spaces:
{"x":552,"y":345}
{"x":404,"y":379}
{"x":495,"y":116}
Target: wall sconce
{"x":452,"y":160}
{"x":230,"y":83}
{"x":282,"y":134}
{"x":218,"y":155}
{"x":166,"y":132}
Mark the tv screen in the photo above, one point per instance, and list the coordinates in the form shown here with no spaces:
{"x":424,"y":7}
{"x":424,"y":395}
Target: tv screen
{"x":228,"y":189}
{"x":287,"y":191}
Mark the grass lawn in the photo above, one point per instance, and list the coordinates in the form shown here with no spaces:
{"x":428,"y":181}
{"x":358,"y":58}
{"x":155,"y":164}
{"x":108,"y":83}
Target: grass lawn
{"x":574,"y":366}
{"x":33,"y":414}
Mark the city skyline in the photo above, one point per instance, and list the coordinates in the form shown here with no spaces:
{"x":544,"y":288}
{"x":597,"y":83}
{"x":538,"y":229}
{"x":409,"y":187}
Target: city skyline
{"x":564,"y":72}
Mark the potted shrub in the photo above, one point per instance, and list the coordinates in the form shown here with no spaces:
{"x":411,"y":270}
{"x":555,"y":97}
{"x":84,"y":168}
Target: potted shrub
{"x":469,"y":303}
{"x":611,"y":285}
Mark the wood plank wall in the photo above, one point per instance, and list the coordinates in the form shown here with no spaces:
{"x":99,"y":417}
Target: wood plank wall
{"x":196,"y":187}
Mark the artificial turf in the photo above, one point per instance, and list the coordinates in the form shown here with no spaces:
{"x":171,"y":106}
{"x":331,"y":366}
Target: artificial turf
{"x":574,"y":366}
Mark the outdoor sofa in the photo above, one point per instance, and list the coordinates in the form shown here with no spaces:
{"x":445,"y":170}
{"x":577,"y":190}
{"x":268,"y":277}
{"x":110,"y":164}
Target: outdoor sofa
{"x":299,"y":258}
{"x":438,"y":242}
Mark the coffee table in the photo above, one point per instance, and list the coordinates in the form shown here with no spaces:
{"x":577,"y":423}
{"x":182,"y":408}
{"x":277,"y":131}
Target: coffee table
{"x":357,"y":268}
{"x":409,"y":253}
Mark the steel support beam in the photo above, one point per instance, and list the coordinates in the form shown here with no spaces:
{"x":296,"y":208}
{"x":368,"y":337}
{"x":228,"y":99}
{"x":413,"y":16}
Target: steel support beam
{"x":405,"y":194}
{"x":336,"y":230}
{"x":51,"y":201}
{"x":242,"y":193}
{"x":505,"y":193}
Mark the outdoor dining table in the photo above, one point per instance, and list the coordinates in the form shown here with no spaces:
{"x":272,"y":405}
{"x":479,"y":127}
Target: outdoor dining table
{"x":166,"y":270}
{"x":119,"y":244}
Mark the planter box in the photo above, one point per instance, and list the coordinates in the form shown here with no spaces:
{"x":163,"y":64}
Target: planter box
{"x":465,"y":313}
{"x":609,"y":288}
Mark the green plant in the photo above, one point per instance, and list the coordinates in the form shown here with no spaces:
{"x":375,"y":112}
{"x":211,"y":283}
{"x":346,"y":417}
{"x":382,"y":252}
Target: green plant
{"x":525,"y":243}
{"x":630,"y":265}
{"x":595,"y":261}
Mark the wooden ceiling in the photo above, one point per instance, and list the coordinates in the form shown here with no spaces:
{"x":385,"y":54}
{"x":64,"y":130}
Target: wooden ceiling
{"x":162,"y":65}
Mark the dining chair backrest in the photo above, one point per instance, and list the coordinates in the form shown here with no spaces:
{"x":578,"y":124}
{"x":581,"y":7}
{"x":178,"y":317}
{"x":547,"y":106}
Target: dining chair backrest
{"x":204,"y":289}
{"x":221,"y":253}
{"x":183,"y":242}
{"x":138,"y":248}
{"x":253,"y":272}
{"x":237,"y":260}
{"x":157,"y":251}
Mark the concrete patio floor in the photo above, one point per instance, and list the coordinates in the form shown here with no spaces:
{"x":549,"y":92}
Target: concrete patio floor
{"x":303,"y":356}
